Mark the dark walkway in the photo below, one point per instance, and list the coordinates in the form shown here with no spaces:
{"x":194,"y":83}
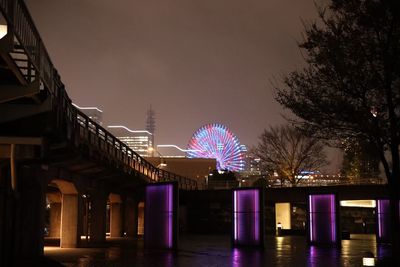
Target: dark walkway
{"x":213,"y":251}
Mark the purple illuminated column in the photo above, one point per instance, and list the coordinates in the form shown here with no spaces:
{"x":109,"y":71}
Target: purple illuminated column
{"x":248,"y":217}
{"x":322,"y":221}
{"x":160,"y":221}
{"x":383,"y":220}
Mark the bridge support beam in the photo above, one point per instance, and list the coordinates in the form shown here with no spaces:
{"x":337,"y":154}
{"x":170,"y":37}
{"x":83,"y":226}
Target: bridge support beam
{"x":55,"y":219}
{"x":69,"y":213}
{"x":115,"y":216}
{"x":7,"y":207}
{"x":131,"y":217}
{"x":54,"y":202}
{"x":28,"y":213}
{"x":98,"y":216}
{"x":69,"y":221}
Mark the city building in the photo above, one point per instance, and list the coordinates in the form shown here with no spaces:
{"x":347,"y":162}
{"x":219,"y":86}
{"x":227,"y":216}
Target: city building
{"x":93,"y":113}
{"x":140,"y":141}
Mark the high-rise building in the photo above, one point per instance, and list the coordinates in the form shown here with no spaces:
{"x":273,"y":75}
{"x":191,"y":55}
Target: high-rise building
{"x":140,"y":141}
{"x":93,"y":113}
{"x":151,"y":120}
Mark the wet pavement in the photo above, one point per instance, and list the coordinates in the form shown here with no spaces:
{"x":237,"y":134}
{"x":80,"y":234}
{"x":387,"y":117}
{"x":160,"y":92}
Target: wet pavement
{"x":213,"y":251}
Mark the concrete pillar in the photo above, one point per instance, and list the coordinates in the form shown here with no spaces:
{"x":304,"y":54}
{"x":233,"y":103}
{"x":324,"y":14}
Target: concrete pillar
{"x":115,"y":220}
{"x":69,"y":221}
{"x":29,"y":216}
{"x":55,"y":219}
{"x":98,"y":216}
{"x":140,"y":218}
{"x":7,"y":218}
{"x":131,"y":217}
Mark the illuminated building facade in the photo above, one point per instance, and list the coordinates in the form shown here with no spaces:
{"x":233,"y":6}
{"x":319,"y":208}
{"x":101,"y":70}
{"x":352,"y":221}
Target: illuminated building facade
{"x":139,"y":141}
{"x":94,"y":113}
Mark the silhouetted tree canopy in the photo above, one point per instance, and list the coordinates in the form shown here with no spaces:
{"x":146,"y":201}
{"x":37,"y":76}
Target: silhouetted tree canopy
{"x":360,"y":159}
{"x":350,"y":84}
{"x":287,"y":151}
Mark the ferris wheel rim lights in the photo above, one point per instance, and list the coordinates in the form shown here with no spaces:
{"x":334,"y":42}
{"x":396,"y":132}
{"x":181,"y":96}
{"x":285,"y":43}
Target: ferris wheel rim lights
{"x":217,"y":141}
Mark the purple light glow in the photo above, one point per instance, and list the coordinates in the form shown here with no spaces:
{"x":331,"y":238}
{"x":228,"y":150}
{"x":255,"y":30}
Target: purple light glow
{"x":246,"y":217}
{"x":311,"y":220}
{"x":383,"y":213}
{"x":256,"y":215}
{"x":159,"y":214}
{"x":170,"y":214}
{"x":235,"y":227}
{"x":322,"y":218}
{"x":333,"y":219}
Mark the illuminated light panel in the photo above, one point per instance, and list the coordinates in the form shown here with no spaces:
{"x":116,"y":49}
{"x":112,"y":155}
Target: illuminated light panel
{"x":247,"y":217}
{"x":217,"y":141}
{"x":160,"y":228}
{"x":3,"y":31}
{"x":368,"y":261}
{"x":87,"y":108}
{"x":358,"y":203}
{"x":322,"y":219}
{"x":383,"y":218}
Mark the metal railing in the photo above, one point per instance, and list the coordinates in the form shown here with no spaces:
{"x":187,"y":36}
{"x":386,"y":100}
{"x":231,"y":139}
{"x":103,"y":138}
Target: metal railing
{"x":79,"y":128}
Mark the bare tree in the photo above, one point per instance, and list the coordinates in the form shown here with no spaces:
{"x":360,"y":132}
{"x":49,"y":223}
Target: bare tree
{"x":287,"y":151}
{"x":350,"y":84}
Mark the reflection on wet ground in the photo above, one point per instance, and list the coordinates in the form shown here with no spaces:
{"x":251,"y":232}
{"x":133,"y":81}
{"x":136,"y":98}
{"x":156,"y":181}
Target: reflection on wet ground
{"x":210,"y":251}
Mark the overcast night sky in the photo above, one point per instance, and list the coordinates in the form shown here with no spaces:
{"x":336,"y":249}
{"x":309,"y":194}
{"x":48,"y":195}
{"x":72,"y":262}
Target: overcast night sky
{"x":195,"y":62}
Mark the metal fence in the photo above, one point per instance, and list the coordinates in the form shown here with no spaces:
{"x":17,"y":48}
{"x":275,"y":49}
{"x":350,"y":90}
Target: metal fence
{"x":80,"y":129}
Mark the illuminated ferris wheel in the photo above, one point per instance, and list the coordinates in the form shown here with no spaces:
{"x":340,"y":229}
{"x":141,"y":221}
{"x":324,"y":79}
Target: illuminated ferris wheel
{"x":217,"y":141}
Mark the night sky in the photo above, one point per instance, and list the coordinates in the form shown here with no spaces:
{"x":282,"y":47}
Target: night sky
{"x":195,"y":62}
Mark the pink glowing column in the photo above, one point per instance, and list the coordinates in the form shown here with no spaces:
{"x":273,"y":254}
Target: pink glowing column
{"x":161,"y":224}
{"x":247,"y":218}
{"x":322,"y":219}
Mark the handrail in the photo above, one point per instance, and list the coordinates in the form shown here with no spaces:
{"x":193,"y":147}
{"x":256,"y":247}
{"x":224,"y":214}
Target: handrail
{"x":18,"y":18}
{"x":80,"y":128}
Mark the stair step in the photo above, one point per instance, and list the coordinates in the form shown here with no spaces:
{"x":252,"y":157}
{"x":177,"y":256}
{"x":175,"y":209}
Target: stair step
{"x":21,"y":59}
{"x":18,"y":52}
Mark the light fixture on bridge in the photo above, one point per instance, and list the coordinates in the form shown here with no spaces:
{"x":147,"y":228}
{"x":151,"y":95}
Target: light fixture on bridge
{"x":3,"y":31}
{"x":162,"y":164}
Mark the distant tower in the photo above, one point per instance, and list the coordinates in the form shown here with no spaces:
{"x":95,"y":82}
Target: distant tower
{"x":151,"y":125}
{"x":151,"y":120}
